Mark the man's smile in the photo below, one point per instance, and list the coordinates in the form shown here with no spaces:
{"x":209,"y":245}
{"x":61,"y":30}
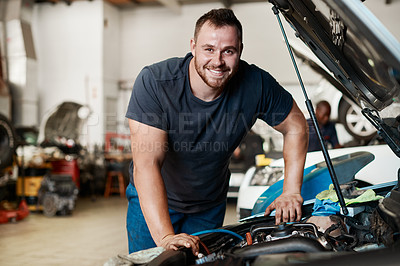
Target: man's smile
{"x":217,"y":72}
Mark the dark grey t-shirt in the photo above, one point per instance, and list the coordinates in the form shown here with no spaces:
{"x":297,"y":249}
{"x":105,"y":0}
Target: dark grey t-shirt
{"x":203,"y":135}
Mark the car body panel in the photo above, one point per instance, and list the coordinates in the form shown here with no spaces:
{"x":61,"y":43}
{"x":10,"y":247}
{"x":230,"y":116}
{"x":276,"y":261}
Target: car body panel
{"x":352,"y":44}
{"x":382,"y":169}
{"x":235,"y":181}
{"x":317,"y":178}
{"x":362,"y":55}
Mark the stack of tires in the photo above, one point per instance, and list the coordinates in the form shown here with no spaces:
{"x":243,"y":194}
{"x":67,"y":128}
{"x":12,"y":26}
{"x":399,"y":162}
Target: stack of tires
{"x":7,"y":142}
{"x":7,"y":150}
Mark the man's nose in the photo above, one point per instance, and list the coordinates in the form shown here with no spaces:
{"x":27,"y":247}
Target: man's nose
{"x":217,"y":59}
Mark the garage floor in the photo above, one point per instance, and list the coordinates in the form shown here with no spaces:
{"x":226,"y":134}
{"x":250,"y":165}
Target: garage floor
{"x":94,"y":233}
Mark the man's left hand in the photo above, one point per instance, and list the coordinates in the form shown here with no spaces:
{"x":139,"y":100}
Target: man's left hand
{"x":287,"y":208}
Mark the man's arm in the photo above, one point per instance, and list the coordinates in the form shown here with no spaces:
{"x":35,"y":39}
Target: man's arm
{"x":295,"y":137}
{"x":149,"y":145}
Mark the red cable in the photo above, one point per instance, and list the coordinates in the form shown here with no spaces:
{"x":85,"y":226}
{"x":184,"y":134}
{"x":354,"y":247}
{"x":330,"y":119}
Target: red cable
{"x":249,"y":239}
{"x":205,"y":247}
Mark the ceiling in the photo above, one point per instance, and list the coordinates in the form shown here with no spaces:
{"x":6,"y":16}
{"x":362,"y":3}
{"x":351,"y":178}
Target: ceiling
{"x":174,"y":5}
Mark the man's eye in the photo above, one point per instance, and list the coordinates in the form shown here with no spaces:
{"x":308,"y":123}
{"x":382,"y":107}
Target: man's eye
{"x":229,"y":52}
{"x":209,"y":49}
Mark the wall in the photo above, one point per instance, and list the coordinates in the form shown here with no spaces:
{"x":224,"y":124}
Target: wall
{"x":111,"y":67}
{"x":151,"y":34}
{"x":69,"y":46}
{"x":86,"y":49}
{"x":387,"y":14}
{"x":18,"y":60}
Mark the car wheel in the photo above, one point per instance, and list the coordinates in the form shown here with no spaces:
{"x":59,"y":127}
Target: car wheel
{"x":50,"y":204}
{"x":354,"y":122}
{"x":7,"y":142}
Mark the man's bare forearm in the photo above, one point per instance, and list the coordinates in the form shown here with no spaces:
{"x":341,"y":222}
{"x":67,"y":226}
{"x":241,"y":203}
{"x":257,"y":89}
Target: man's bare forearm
{"x":294,"y":130}
{"x":148,"y":151}
{"x":295,"y":143}
{"x":294,"y":154}
{"x":153,"y":201}
{"x":154,"y":205}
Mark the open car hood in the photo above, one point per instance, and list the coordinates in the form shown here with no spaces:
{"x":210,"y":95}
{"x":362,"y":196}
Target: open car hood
{"x":357,"y":49}
{"x":63,"y":126}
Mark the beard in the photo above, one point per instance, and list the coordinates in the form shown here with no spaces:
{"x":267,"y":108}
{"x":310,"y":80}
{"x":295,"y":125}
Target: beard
{"x":215,"y":83}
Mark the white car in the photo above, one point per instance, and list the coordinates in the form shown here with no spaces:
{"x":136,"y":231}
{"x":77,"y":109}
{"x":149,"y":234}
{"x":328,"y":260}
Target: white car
{"x":234,"y":184}
{"x":258,"y":179}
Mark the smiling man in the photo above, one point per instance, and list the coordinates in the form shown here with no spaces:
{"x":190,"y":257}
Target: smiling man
{"x":187,"y":116}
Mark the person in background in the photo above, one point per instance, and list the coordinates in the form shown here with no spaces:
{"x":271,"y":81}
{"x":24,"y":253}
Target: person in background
{"x":187,"y":116}
{"x":328,"y":130}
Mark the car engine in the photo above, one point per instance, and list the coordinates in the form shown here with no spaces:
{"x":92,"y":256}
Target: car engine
{"x":369,"y":227}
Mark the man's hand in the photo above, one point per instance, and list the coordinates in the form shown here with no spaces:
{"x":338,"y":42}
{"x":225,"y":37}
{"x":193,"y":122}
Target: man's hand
{"x":181,"y":240}
{"x":287,"y":208}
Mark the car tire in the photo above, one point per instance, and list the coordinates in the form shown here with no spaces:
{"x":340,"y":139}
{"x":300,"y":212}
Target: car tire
{"x":7,"y":142}
{"x":50,"y":204}
{"x":354,"y":122}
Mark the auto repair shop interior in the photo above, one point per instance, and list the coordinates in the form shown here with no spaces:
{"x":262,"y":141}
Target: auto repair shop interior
{"x":66,"y":76}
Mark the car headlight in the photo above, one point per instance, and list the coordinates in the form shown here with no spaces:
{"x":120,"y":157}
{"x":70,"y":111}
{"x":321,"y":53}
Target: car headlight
{"x":266,"y":176}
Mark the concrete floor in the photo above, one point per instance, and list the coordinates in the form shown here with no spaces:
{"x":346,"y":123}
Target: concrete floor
{"x":93,"y":233}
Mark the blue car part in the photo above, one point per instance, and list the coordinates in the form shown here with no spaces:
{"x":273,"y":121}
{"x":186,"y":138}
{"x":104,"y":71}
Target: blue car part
{"x":316,"y":178}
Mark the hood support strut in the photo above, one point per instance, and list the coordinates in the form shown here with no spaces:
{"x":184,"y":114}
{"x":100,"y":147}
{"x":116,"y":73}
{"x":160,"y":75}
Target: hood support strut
{"x":314,"y":120}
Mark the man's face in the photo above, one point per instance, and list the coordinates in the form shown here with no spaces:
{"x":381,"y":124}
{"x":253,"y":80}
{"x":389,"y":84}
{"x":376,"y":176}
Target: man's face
{"x":322,"y":114}
{"x":216,"y":54}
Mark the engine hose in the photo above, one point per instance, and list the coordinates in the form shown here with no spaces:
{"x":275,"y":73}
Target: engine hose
{"x":343,"y":234}
{"x":331,"y":228}
{"x":205,"y":247}
{"x":355,"y":241}
{"x":218,"y":231}
{"x":284,"y":245}
{"x":249,"y":239}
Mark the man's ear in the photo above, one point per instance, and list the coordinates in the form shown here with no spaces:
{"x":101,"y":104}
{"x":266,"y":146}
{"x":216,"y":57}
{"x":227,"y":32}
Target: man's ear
{"x":192,"y":46}
{"x":241,"y":49}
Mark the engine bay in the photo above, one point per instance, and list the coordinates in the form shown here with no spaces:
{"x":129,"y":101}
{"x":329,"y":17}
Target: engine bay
{"x":370,"y":229}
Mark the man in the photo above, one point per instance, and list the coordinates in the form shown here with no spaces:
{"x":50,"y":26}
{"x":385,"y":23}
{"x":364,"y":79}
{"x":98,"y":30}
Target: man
{"x":187,"y":116}
{"x":328,"y":130}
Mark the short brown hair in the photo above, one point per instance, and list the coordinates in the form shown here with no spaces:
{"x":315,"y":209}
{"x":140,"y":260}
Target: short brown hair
{"x":219,"y":17}
{"x":323,"y":103}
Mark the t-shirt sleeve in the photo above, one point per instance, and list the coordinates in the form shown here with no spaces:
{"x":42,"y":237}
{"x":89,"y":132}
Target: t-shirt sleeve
{"x":277,"y":102}
{"x":144,"y":105}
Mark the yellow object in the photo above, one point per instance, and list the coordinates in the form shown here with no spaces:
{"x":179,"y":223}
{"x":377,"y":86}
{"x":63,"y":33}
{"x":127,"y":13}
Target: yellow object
{"x":35,"y":207}
{"x":31,"y":189}
{"x":261,"y":160}
{"x":31,"y":186}
{"x":368,"y":195}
